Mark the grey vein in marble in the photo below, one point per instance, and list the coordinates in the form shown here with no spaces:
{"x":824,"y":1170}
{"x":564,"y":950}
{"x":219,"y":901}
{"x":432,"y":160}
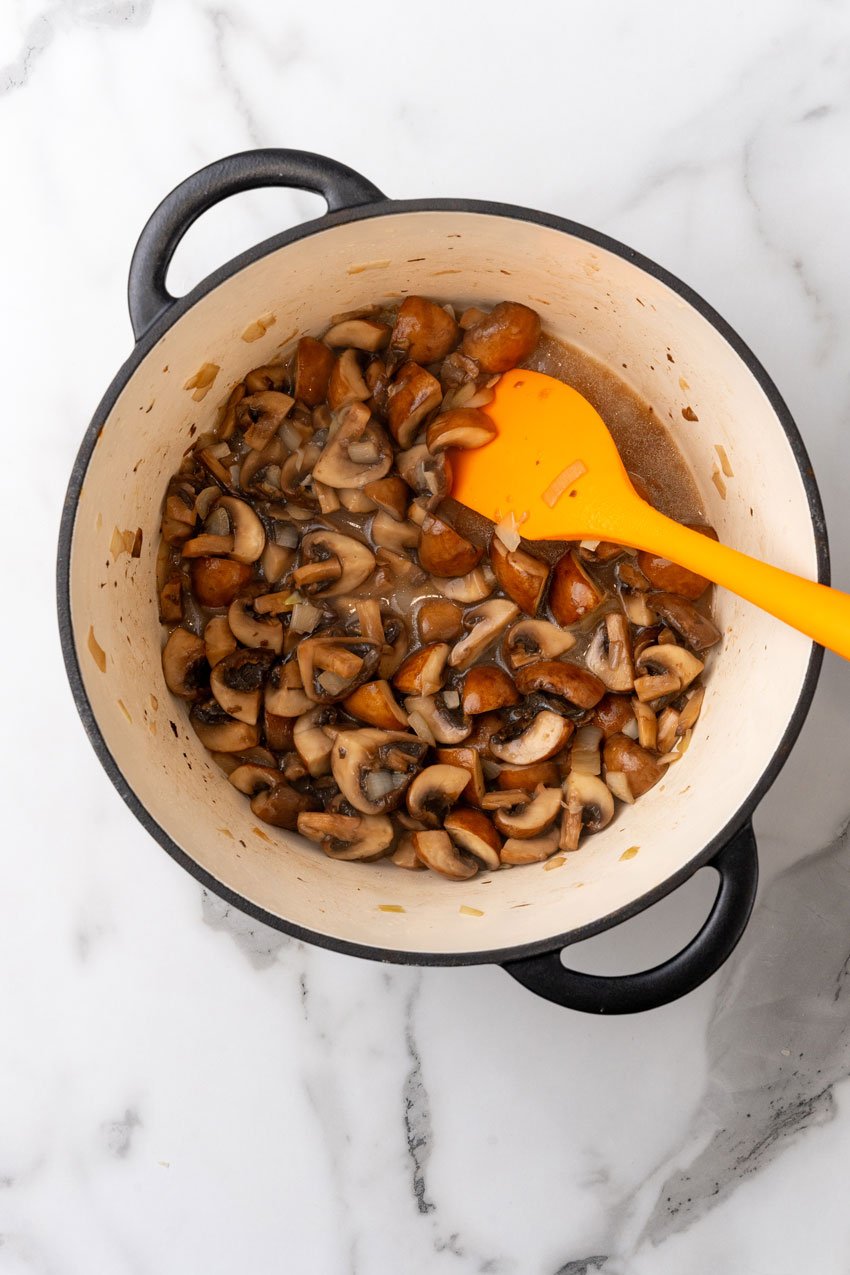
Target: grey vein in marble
{"x":42,"y":31}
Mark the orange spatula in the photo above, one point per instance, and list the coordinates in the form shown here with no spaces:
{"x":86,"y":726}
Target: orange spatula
{"x":554,"y":464}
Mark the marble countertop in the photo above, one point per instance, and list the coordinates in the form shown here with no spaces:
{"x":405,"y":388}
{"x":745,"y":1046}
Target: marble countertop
{"x":184,"y":1090}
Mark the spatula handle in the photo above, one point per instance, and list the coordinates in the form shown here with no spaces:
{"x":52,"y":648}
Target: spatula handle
{"x":815,"y":609}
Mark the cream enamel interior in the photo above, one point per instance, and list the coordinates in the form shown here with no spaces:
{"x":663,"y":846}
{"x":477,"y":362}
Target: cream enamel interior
{"x":586,"y":295}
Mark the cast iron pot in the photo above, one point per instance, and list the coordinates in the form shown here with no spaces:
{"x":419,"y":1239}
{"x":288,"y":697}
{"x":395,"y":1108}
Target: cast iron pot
{"x":592,"y":291}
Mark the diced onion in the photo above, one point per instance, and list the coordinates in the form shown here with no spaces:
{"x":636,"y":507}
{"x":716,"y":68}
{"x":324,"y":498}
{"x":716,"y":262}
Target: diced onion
{"x":421,"y":727}
{"x":286,"y":535}
{"x":507,"y":532}
{"x":380,"y":783}
{"x":619,"y":786}
{"x":332,"y":682}
{"x":305,"y":617}
{"x":590,"y":545}
{"x":291,"y":435}
{"x":565,"y":479}
{"x":584,"y":756}
{"x":631,"y":729}
{"x":451,"y":699}
{"x":363,"y":452}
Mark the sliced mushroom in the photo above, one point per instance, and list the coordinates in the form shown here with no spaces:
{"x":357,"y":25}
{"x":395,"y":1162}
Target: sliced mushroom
{"x":313,"y":366}
{"x":439,"y":621}
{"x":623,"y":756}
{"x":358,"y":453}
{"x":332,"y":667}
{"x":216,"y":581}
{"x":313,"y":742}
{"x":361,"y":334}
{"x":423,"y":671}
{"x":184,"y":664}
{"x":690,"y":713}
{"x":504,"y":338}
{"x":279,"y":804}
{"x":261,"y":415}
{"x":697,"y":629}
{"x":391,"y":495}
{"x":346,"y":384}
{"x":373,"y":767}
{"x":470,"y":760}
{"x":434,"y":791}
{"x":647,"y":724}
{"x":357,"y":561}
{"x":207,"y":545}
{"x":484,"y":624}
{"x":237,"y":683}
{"x":665,"y":670}
{"x":171,"y":600}
{"x":389,"y":533}
{"x":220,"y":733}
{"x":443,"y":551}
{"x":474,"y":587}
{"x":486,"y":689}
{"x":667,"y":729}
{"x":522,"y":576}
{"x":519,"y":850}
{"x":669,"y":577}
{"x":464,"y":427}
{"x":271,"y":376}
{"x":532,"y":640}
{"x":559,"y":677}
{"x":375,"y":704}
{"x":396,"y":644}
{"x":404,"y":855}
{"x":218,"y":640}
{"x":637,"y":608}
{"x":437,"y":851}
{"x":263,"y":632}
{"x":349,"y":838}
{"x":423,"y":331}
{"x":411,"y":396}
{"x":609,"y":654}
{"x":533,"y":818}
{"x":428,"y":475}
{"x":545,"y":735}
{"x":589,"y":807}
{"x":448,"y":723}
{"x":572,"y":593}
{"x":528,"y":778}
{"x":473,"y":831}
{"x":285,"y":694}
{"x":278,"y":732}
{"x":249,"y":535}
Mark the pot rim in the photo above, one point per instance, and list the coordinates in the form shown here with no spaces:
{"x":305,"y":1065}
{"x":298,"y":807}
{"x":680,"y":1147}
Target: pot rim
{"x":143,"y":347}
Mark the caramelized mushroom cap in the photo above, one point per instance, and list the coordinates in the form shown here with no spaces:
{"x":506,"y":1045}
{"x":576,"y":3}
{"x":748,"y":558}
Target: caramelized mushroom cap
{"x":423,"y":671}
{"x":522,"y":576}
{"x":589,"y":806}
{"x":531,"y":640}
{"x":473,"y":832}
{"x":437,"y":851}
{"x":184,"y":664}
{"x":443,"y":552}
{"x":423,"y":331}
{"x":373,"y":767}
{"x":531,"y":819}
{"x":464,"y":427}
{"x":487,"y":688}
{"x":543,"y":737}
{"x":413,"y":393}
{"x":612,"y":714}
{"x":434,"y":791}
{"x":559,"y":677}
{"x":697,"y":629}
{"x":504,"y":338}
{"x":623,"y":755}
{"x":572,"y":593}
{"x":375,"y":704}
{"x":220,"y":733}
{"x":439,"y":620}
{"x":669,"y":577}
{"x":313,"y":365}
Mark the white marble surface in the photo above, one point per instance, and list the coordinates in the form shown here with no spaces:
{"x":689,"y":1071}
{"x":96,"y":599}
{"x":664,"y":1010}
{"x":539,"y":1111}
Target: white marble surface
{"x":182,"y":1090}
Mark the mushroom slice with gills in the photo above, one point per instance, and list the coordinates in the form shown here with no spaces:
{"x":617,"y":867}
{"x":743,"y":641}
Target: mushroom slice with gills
{"x":647,"y":724}
{"x":437,"y":851}
{"x":251,"y":778}
{"x":613,"y":714}
{"x":346,"y":384}
{"x":184,"y":664}
{"x":219,"y":732}
{"x":413,"y":393}
{"x":542,"y":737}
{"x":270,"y":376}
{"x":207,"y":545}
{"x":375,"y":704}
{"x":443,"y":551}
{"x":486,"y":689}
{"x":665,"y":670}
{"x":470,"y":760}
{"x":332,"y":667}
{"x":237,"y":683}
{"x":434,"y":791}
{"x":504,"y":338}
{"x":218,"y":640}
{"x":439,"y":620}
{"x":697,"y":629}
{"x":391,"y":495}
{"x":529,"y":778}
{"x":373,"y":768}
{"x":484,"y":624}
{"x":589,"y":808}
{"x":395,"y":648}
{"x":473,"y":831}
{"x":348,"y":838}
{"x":389,"y":533}
{"x":357,"y":561}
{"x":171,"y":600}
{"x":609,"y":655}
{"x":423,"y":331}
{"x":532,"y":640}
{"x":532,"y":819}
{"x":262,"y":632}
{"x":559,"y":677}
{"x":361,"y":334}
{"x":395,"y":571}
{"x":358,"y":453}
{"x":667,"y":730}
{"x":261,"y":415}
{"x":637,"y":608}
{"x":522,"y":576}
{"x":623,"y":756}
{"x":422,"y":672}
{"x":404,"y":855}
{"x":312,"y":371}
{"x":474,"y":587}
{"x":521,"y":850}
{"x":217,"y":581}
{"x":464,"y":427}
{"x":447,"y":722}
{"x":369,"y":620}
{"x":572,"y":593}
{"x":249,"y":534}
{"x":285,"y":695}
{"x":312,"y":741}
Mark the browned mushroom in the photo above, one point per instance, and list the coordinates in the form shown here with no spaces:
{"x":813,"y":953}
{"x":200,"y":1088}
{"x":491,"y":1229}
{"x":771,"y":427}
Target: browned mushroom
{"x":427,"y":474}
{"x":464,"y":427}
{"x":519,"y":850}
{"x":254,"y":630}
{"x":531,"y":640}
{"x":434,"y":791}
{"x":697,"y":629}
{"x":483,"y":625}
{"x":572,"y":593}
{"x":332,"y":667}
{"x":609,"y":655}
{"x":360,"y":333}
{"x":522,"y":576}
{"x":486,"y":689}
{"x":390,"y":494}
{"x":218,"y":640}
{"x":348,"y":838}
{"x":410,"y":397}
{"x":525,"y":739}
{"x":358,"y":453}
{"x":346,"y":384}
{"x":404,"y":855}
{"x":528,"y":778}
{"x":437,"y":851}
{"x":249,"y":535}
{"x":237,"y":683}
{"x":612,"y":714}
{"x":439,"y":620}
{"x":669,"y":577}
{"x":469,"y":758}
{"x":504,"y":338}
{"x":559,"y":677}
{"x":665,"y":669}
{"x":356,"y":560}
{"x":313,"y":366}
{"x":589,"y":807}
{"x":473,"y":832}
{"x":423,"y":331}
{"x":171,"y":600}
{"x":423,"y":671}
{"x":216,"y":581}
{"x":278,"y":732}
{"x":623,"y":756}
{"x":261,"y":415}
{"x":184,"y":664}
{"x":313,"y":737}
{"x":271,"y":376}
{"x":532,"y":818}
{"x":473,"y":587}
{"x":220,"y":733}
{"x":373,"y":768}
{"x":375,"y":704}
{"x":285,"y":694}
{"x":443,"y":552}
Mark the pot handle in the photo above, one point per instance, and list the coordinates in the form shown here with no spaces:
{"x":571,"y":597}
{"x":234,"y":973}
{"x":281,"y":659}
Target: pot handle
{"x":737,"y":864}
{"x":340,"y":185}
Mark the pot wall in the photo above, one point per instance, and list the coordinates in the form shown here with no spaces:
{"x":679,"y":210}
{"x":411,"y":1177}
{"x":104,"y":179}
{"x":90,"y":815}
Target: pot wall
{"x":585,"y":294}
